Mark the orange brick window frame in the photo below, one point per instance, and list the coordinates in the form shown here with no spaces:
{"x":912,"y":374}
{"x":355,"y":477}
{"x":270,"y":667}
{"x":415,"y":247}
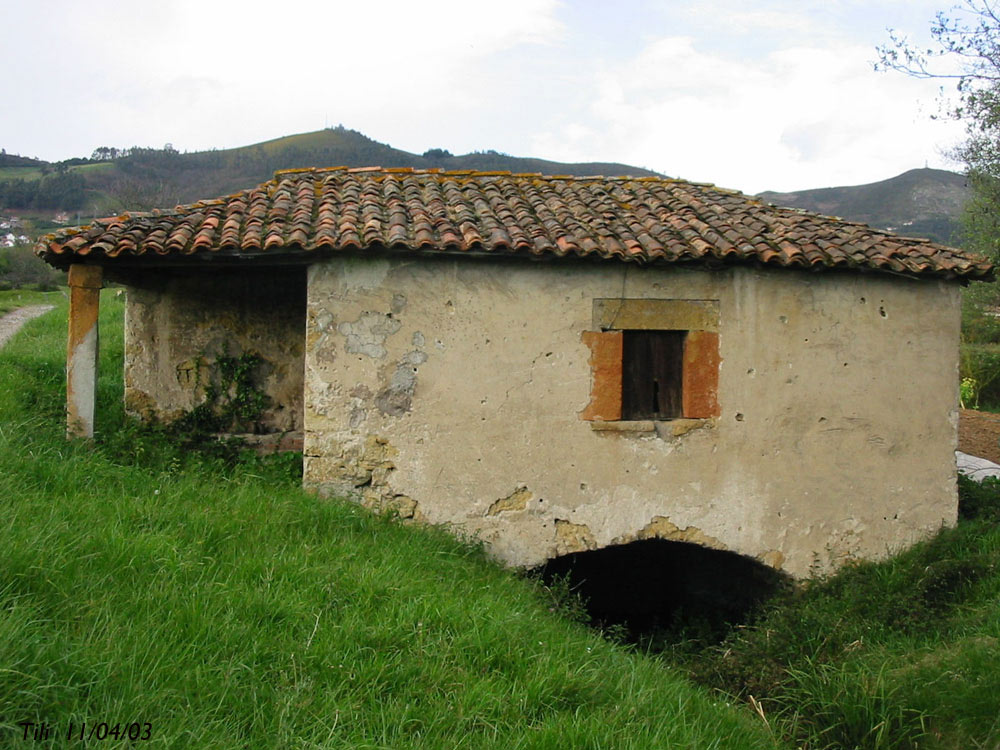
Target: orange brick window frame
{"x":699,"y":319}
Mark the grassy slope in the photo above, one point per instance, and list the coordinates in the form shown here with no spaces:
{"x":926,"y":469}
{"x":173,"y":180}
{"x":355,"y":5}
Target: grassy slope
{"x":131,"y":183}
{"x":227,"y":608}
{"x":343,"y":144}
{"x":11,"y":299}
{"x":20,"y":173}
{"x":901,"y":653}
{"x":317,"y":139}
{"x":35,"y":173}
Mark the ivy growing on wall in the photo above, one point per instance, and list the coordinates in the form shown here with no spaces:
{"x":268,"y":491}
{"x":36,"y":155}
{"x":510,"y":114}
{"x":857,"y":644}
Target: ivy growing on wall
{"x":234,"y":401}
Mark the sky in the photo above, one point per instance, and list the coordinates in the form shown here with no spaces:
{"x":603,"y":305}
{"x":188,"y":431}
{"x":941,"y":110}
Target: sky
{"x":750,"y":95}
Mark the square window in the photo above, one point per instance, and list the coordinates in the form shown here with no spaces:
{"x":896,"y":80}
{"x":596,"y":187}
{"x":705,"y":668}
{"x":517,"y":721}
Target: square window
{"x":653,"y":359}
{"x":652,"y":374}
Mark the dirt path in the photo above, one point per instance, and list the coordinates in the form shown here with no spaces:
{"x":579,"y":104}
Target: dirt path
{"x":11,"y":322}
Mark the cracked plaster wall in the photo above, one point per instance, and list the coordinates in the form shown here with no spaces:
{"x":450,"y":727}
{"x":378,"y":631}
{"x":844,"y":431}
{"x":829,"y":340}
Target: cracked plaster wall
{"x":450,"y":391}
{"x":177,"y":325}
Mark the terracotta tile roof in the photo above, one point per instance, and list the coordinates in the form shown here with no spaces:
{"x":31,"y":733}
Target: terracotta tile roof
{"x":645,"y":219}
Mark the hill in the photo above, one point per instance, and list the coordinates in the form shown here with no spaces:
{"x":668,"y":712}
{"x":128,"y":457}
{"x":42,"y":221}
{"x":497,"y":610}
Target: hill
{"x":14,"y":160}
{"x":920,"y":202}
{"x":145,"y":178}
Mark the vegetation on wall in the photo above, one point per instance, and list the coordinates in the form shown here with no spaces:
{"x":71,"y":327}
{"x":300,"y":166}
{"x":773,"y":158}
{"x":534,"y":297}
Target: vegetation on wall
{"x":234,"y":399}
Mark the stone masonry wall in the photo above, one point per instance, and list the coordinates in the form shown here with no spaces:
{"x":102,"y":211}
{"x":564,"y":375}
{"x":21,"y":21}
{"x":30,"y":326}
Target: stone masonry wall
{"x":454,"y":391}
{"x":176,"y":326}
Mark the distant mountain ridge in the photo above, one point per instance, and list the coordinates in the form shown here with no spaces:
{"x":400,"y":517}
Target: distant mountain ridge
{"x":919,"y":203}
{"x":144,"y":178}
{"x":212,"y":173}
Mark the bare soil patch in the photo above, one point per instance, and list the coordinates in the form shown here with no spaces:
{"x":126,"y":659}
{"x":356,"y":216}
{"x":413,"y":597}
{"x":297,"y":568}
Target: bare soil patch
{"x":979,"y":434}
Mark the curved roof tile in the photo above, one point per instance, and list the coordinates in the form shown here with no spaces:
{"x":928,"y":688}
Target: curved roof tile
{"x":648,"y":220}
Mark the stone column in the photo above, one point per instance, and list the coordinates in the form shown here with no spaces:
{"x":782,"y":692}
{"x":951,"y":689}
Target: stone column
{"x":82,"y":349}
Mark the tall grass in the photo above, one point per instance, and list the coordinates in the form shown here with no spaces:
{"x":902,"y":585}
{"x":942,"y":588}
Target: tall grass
{"x":224,"y":607}
{"x":895,"y":654}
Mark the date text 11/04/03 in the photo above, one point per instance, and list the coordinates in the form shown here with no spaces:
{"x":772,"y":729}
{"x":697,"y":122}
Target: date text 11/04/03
{"x":135,"y":731}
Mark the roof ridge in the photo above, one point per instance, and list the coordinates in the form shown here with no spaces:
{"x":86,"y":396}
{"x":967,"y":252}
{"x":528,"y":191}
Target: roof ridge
{"x":291,"y":171}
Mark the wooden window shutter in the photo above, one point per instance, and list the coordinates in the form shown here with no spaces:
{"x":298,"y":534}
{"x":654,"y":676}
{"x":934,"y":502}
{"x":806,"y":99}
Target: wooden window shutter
{"x":701,"y":375}
{"x":606,"y":376}
{"x":652,"y":362}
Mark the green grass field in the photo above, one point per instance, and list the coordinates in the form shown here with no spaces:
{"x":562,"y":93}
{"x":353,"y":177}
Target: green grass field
{"x":35,"y":173}
{"x":11,"y":299}
{"x":318,"y":139}
{"x":20,"y":173}
{"x":219,"y":605}
{"x":899,"y":654}
{"x":152,"y":590}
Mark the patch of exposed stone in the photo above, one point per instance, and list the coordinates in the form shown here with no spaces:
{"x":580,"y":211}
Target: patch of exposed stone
{"x":773,"y":559}
{"x":364,"y":471}
{"x":368,"y":333}
{"x":661,"y":527}
{"x":573,"y":537}
{"x":516,"y":500}
{"x":396,"y":398}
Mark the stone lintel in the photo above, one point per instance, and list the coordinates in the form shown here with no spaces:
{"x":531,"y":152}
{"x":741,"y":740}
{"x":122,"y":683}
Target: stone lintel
{"x":656,"y":314}
{"x":625,"y":425}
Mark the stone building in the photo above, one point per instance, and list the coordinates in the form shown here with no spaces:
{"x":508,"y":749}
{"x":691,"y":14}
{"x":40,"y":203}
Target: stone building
{"x":557,"y":364}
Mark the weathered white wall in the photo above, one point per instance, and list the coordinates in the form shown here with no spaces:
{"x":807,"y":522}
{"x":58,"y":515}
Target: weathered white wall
{"x":450,"y":391}
{"x":176,"y":326}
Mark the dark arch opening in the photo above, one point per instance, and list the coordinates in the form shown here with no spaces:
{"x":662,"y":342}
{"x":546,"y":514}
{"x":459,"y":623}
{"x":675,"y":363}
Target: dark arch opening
{"x":656,"y":592}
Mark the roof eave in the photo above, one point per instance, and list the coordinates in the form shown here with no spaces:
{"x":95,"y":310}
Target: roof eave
{"x":297,"y":255}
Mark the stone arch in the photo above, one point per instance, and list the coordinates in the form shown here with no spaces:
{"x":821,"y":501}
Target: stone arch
{"x":649,"y":583}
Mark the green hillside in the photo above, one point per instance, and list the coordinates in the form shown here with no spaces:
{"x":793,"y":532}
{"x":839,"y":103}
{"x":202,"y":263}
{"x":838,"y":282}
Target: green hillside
{"x":921,"y":202}
{"x":150,"y":178}
{"x":918,"y":203}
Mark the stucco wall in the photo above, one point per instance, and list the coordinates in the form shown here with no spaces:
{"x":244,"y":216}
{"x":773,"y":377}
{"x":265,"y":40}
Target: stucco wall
{"x":177,"y":325}
{"x":452,"y":392}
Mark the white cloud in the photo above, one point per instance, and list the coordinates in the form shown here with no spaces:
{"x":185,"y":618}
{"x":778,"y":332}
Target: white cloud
{"x":775,"y":122}
{"x":748,"y":94}
{"x":737,"y":16}
{"x":204,"y":74}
